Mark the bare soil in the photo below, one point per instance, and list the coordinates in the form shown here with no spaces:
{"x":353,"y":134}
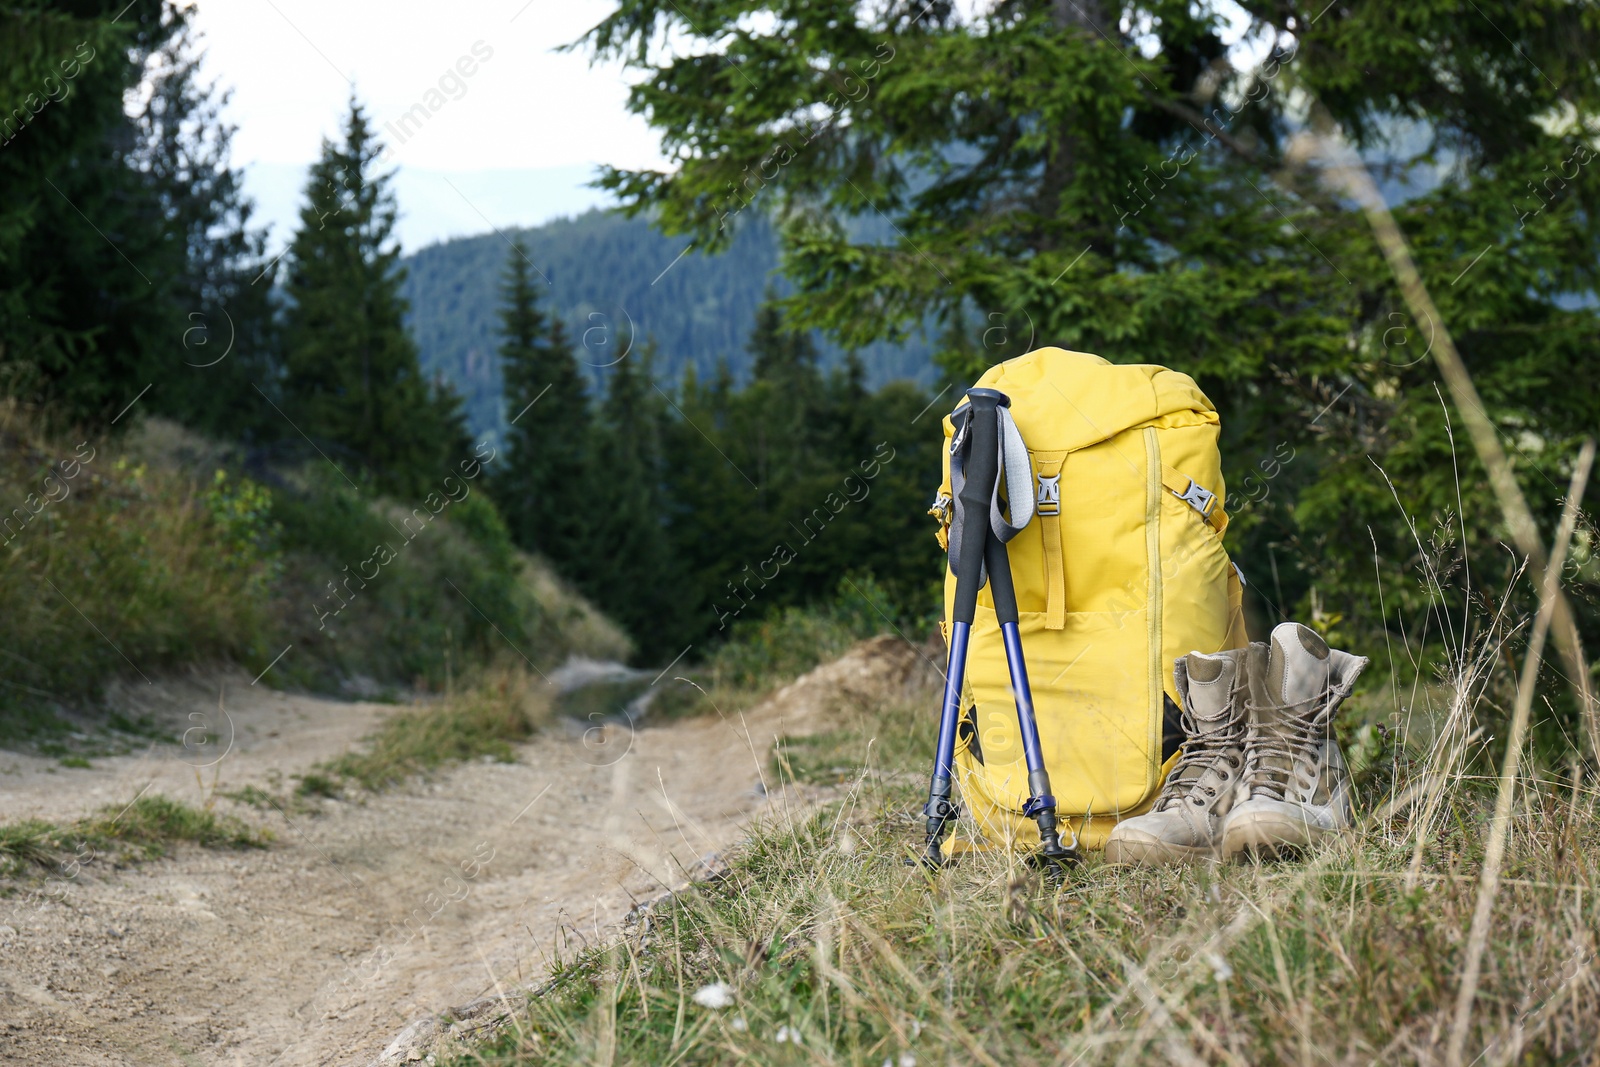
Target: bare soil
{"x":365,"y":920}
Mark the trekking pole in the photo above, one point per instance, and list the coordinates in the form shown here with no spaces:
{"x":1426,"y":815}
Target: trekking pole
{"x":982,"y":469}
{"x":1040,"y":805}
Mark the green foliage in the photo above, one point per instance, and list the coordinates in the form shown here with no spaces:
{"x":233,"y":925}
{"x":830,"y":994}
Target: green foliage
{"x":205,"y":368}
{"x":779,"y":488}
{"x":544,"y":483}
{"x":351,"y":372}
{"x":115,"y":567}
{"x":124,"y":235}
{"x":790,"y":641}
{"x":375,"y":590}
{"x":126,"y":566}
{"x":723,"y":504}
{"x":628,"y":566}
{"x":1112,"y":178}
{"x":69,"y":304}
{"x":247,"y":534}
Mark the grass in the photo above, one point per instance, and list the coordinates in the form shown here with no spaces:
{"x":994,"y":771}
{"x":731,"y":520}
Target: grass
{"x":251,"y":796}
{"x":110,"y":561}
{"x":761,"y":653}
{"x":504,"y":708}
{"x":152,"y":822}
{"x":143,"y":829}
{"x":24,"y":844}
{"x":1348,"y":956}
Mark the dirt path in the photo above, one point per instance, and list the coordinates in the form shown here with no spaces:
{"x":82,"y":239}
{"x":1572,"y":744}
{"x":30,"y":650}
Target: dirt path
{"x":368,"y":917}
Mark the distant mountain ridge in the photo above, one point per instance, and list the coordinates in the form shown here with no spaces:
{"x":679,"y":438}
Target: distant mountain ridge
{"x":615,"y":281}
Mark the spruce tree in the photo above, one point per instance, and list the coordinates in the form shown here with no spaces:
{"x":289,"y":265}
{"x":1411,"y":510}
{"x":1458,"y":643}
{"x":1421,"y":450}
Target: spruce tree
{"x":780,"y":406}
{"x":87,"y":275}
{"x":1129,"y":179}
{"x":223,"y":293}
{"x":631,"y":571}
{"x":352,"y":377}
{"x":541,"y":485}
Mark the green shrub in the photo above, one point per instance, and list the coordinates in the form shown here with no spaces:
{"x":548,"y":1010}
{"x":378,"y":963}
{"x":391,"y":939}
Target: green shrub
{"x":403,"y":596}
{"x":788,"y":642}
{"x":118,"y":568}
{"x":132,"y":556}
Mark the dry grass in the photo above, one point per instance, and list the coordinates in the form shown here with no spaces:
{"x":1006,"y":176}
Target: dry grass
{"x":822,"y":932}
{"x":115,"y":569}
{"x":142,"y":829}
{"x":1353,"y":954}
{"x":504,"y":707}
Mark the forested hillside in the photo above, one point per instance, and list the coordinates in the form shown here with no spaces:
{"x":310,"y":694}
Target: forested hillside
{"x":612,"y":280}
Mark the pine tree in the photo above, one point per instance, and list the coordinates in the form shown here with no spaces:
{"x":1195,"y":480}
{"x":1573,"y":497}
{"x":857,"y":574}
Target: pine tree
{"x":86,"y":273}
{"x":1129,"y":179}
{"x":227,"y":347}
{"x":778,"y":423}
{"x":631,"y":571}
{"x":542,"y":484}
{"x":352,"y":376}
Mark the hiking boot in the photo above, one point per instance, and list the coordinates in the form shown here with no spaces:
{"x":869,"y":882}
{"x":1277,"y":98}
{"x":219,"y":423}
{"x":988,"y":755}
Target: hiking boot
{"x":1185,"y":821}
{"x":1297,"y":788}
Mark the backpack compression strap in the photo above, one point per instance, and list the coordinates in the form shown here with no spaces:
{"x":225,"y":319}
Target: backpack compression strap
{"x":1202,"y":500}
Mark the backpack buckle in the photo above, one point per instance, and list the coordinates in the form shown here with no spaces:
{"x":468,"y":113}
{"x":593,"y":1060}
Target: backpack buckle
{"x":1049,"y":499}
{"x":1198,"y":497}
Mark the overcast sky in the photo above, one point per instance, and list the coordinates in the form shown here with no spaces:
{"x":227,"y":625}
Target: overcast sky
{"x":510,"y":144}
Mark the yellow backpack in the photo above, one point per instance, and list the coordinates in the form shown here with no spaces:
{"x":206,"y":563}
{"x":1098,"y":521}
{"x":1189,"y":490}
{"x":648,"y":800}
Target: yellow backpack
{"x":1120,"y":571}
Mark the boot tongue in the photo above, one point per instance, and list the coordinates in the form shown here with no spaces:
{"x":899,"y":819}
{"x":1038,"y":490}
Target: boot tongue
{"x":1297,"y":666}
{"x":1209,"y":716}
{"x":1292,"y":688}
{"x":1211,"y":680}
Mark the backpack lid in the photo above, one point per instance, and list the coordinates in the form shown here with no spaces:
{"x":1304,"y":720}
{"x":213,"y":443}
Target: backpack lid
{"x":1063,"y":400}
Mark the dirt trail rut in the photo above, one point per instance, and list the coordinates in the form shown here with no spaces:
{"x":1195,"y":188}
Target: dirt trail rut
{"x":369,"y":916}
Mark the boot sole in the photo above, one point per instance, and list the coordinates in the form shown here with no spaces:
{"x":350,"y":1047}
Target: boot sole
{"x":1268,"y":835}
{"x":1123,"y":853}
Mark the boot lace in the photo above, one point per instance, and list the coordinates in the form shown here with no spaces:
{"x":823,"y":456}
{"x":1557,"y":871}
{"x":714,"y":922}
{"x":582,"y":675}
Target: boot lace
{"x":1205,"y":750}
{"x":1300,"y":730}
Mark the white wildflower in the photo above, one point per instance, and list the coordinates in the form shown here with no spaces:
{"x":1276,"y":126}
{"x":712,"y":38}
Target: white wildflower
{"x":716,"y":996}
